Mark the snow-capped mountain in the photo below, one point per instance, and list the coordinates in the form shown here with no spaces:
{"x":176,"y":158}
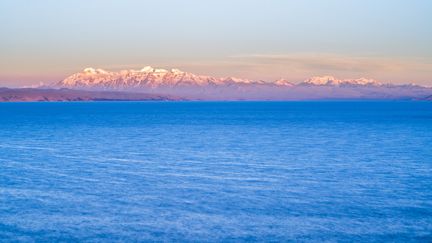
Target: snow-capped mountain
{"x":191,"y":86}
{"x":283,"y":82}
{"x":148,"y":77}
{"x":332,"y":81}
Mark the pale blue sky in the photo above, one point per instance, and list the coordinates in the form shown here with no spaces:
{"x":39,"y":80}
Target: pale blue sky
{"x":389,"y":40}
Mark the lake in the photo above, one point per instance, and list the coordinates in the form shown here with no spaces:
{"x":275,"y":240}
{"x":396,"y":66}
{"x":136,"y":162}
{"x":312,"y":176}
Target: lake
{"x":216,"y":171}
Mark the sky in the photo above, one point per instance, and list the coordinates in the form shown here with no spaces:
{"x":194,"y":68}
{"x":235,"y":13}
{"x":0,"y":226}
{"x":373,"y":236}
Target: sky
{"x":388,"y":40}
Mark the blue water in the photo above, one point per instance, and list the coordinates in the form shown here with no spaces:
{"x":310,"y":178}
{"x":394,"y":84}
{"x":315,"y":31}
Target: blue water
{"x":216,"y":171}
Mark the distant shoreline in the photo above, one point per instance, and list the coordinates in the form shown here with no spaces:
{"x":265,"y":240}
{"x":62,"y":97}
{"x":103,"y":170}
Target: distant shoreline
{"x":73,"y":95}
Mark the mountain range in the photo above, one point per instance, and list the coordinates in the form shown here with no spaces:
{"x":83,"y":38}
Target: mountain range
{"x":150,"y":77}
{"x":201,"y":87}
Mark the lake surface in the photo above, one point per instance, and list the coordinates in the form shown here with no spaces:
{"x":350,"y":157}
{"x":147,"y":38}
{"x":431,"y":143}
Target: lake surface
{"x":216,"y":171}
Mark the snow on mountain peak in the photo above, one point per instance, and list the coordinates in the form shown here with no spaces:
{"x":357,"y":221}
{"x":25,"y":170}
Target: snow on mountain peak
{"x":160,"y":70}
{"x":149,"y":77}
{"x":146,"y":77}
{"x":89,"y":70}
{"x":92,"y":71}
{"x":323,"y":80}
{"x":175,"y":70}
{"x":283,"y":82}
{"x":363,"y":81}
{"x":332,"y":81}
{"x":147,"y":69}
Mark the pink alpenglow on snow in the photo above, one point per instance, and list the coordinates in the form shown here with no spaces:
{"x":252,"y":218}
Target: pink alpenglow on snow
{"x":204,"y":87}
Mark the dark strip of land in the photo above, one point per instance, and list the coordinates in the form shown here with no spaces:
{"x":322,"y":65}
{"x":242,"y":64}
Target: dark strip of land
{"x":32,"y":94}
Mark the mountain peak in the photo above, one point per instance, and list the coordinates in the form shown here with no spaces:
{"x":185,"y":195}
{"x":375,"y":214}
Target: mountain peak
{"x":175,"y":70}
{"x":283,"y":82}
{"x":147,"y":69}
{"x":160,"y":70}
{"x":92,"y":71}
{"x":321,"y":80}
{"x":89,"y":70}
{"x":176,"y":82}
{"x":150,"y":77}
{"x":147,"y":77}
{"x":332,"y":81}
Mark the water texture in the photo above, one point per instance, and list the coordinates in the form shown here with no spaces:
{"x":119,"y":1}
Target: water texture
{"x":216,"y":171}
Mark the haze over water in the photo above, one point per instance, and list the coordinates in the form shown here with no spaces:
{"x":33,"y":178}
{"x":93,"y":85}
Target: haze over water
{"x":216,"y":171}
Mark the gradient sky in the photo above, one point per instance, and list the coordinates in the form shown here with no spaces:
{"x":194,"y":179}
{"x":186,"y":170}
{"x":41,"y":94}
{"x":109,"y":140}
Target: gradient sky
{"x":389,"y":40}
